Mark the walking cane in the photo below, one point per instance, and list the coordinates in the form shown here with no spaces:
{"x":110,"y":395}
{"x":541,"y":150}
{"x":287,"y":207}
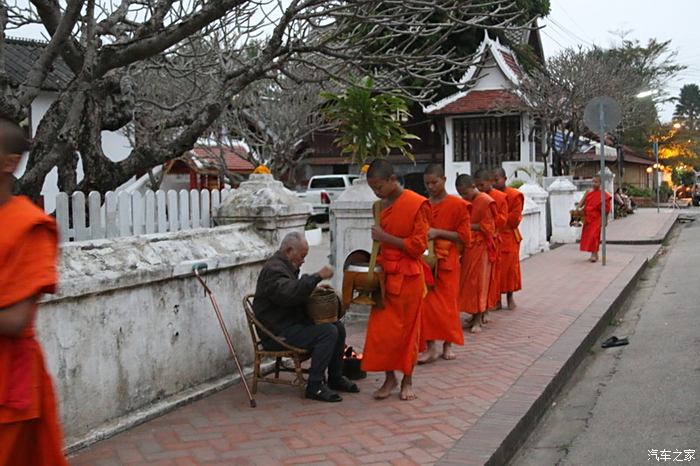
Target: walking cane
{"x":203,"y":267}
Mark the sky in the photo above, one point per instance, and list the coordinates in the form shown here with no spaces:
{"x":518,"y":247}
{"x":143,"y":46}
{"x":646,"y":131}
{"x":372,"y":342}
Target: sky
{"x":586,"y":22}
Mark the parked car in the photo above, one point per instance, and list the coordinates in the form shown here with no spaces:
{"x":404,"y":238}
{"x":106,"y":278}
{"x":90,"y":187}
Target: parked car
{"x":696,"y":190}
{"x":324,"y":189}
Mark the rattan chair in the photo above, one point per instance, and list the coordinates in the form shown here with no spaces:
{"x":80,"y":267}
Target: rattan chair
{"x":284,"y":350}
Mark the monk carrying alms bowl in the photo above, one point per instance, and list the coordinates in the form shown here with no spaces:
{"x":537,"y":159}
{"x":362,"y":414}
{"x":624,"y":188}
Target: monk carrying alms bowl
{"x":362,"y":287}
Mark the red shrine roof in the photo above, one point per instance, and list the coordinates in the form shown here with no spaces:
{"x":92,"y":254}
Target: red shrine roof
{"x":512,"y":63}
{"x":480,"y":102}
{"x":204,"y":159}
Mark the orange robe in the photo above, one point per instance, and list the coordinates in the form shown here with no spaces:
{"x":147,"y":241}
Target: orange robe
{"x":479,"y":256}
{"x":511,"y":279}
{"x":590,"y":234}
{"x":29,"y":430}
{"x":440,"y":314}
{"x":500,"y":222}
{"x":393,"y":332}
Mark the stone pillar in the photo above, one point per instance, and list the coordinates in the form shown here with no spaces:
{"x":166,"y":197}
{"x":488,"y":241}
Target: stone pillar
{"x":535,"y":192}
{"x":561,"y":202}
{"x":350,"y":223}
{"x":264,"y":201}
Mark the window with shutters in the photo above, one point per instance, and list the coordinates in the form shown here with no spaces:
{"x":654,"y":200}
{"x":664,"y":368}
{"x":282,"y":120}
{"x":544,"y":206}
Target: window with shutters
{"x":486,"y":142}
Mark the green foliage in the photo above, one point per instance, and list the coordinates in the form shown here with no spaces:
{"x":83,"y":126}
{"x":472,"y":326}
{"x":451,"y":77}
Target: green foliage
{"x":688,"y":107}
{"x":683,"y":177}
{"x":370,"y":123}
{"x":665,"y":192}
{"x":516,"y":184}
{"x":634,"y":191}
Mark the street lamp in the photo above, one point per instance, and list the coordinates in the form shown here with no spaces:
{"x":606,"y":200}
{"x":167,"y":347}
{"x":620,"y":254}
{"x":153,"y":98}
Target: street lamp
{"x":648,"y":93}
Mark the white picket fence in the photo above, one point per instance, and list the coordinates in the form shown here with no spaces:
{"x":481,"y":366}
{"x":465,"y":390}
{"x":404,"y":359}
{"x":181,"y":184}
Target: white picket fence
{"x":127,"y":214}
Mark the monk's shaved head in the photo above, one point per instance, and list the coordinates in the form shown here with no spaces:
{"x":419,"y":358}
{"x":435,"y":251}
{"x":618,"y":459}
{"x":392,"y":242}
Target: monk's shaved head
{"x":434,"y":169}
{"x":482,"y":174}
{"x":499,"y":172}
{"x":380,"y":169}
{"x":499,"y":179}
{"x":12,"y":138}
{"x":482,"y":178}
{"x":464,"y":181}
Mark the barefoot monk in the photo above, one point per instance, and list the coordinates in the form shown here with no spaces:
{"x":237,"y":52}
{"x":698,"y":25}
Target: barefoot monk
{"x":393,"y":331}
{"x":511,"y":280}
{"x":484,"y":182}
{"x":592,"y":219}
{"x":450,"y":231}
{"x":478,"y":258}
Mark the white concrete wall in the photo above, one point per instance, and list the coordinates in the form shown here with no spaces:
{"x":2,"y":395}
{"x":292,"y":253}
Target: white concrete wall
{"x":131,"y":327}
{"x":530,"y":229}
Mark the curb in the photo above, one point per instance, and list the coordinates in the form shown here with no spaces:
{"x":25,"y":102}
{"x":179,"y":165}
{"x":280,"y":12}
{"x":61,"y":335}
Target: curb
{"x":485,"y":442}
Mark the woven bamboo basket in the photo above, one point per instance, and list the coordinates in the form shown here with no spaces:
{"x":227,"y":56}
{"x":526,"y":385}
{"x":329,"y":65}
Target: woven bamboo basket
{"x":323,"y":306}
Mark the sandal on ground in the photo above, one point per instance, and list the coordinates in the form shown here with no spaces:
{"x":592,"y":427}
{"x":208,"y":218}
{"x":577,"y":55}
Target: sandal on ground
{"x":322,"y":393}
{"x":343,"y":384}
{"x":614,"y":341}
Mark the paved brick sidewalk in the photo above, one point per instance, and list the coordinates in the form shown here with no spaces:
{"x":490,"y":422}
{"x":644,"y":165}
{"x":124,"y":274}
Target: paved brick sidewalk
{"x":456,"y":398}
{"x":645,"y":226}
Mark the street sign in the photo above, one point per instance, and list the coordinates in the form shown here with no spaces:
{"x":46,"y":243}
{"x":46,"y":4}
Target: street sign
{"x":602,"y":114}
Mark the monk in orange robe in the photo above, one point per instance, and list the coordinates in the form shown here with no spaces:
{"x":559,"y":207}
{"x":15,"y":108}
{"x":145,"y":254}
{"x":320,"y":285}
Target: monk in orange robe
{"x":478,"y":258}
{"x":484,"y":182}
{"x":29,"y":429}
{"x":509,"y":257}
{"x":393,"y":331}
{"x":592,"y":219}
{"x":450,"y":228}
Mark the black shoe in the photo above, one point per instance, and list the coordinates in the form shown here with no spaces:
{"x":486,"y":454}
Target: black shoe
{"x":343,"y":384}
{"x":614,"y":341}
{"x":321,"y":392}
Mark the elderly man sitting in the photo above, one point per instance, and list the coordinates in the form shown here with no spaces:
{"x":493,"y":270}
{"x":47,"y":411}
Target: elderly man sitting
{"x":279,"y":304}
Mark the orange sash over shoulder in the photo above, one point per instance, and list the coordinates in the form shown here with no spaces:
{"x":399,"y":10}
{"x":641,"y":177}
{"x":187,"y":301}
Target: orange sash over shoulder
{"x":440,"y":314}
{"x":477,"y":260}
{"x":510,"y":243}
{"x":393,"y":332}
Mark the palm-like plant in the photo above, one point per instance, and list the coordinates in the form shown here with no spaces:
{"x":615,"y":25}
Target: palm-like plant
{"x":369,"y":123}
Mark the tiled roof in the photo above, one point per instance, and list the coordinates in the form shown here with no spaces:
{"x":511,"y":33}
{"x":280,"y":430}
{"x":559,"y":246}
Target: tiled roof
{"x":630,"y":156}
{"x":481,"y":102}
{"x":512,"y":63}
{"x":21,"y":54}
{"x":210,"y":162}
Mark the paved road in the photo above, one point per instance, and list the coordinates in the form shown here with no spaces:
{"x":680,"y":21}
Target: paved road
{"x":626,"y":401}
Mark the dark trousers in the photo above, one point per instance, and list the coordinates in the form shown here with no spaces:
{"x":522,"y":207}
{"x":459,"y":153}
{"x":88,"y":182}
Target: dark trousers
{"x":326,"y":342}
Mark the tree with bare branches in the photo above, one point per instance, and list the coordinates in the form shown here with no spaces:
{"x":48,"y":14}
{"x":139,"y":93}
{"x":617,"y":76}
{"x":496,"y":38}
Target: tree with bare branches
{"x":169,"y":69}
{"x":276,"y":119}
{"x":558,"y":92}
